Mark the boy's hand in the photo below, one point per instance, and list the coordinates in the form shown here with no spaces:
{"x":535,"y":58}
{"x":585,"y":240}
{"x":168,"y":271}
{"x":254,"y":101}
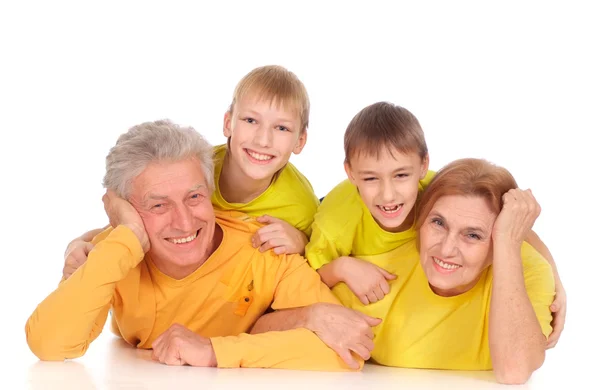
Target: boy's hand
{"x":519,"y":211}
{"x":179,"y":346}
{"x":559,"y":315}
{"x":75,"y":255}
{"x":367,"y":281}
{"x":279,"y":235}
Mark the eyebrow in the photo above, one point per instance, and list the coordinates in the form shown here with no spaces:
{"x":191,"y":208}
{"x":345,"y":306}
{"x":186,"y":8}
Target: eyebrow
{"x":401,"y":169}
{"x":256,"y":113}
{"x":474,"y":229}
{"x":152,"y":196}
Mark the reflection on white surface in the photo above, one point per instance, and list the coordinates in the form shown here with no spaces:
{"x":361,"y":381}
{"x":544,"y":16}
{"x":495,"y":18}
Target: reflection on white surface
{"x":112,"y":364}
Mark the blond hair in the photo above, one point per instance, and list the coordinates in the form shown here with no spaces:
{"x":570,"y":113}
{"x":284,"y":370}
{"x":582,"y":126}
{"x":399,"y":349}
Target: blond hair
{"x":278,"y":85}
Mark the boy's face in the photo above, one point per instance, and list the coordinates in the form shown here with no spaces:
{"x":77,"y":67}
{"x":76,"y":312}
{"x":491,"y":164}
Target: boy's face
{"x":263,"y":135}
{"x":388,"y":185}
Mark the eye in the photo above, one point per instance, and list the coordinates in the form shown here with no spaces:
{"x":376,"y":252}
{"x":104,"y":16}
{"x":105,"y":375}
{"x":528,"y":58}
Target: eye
{"x":196,"y":196}
{"x":158,"y":206}
{"x":402,"y":175}
{"x":369,"y":179}
{"x":282,"y":128}
{"x":250,"y":120}
{"x":437,"y":222}
{"x":474,"y":236}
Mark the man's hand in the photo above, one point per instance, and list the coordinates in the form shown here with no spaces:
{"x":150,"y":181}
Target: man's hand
{"x":367,"y":281}
{"x":121,"y":212}
{"x":559,"y":315}
{"x":179,"y":346}
{"x":279,"y":235}
{"x":75,"y":255}
{"x":343,"y":330}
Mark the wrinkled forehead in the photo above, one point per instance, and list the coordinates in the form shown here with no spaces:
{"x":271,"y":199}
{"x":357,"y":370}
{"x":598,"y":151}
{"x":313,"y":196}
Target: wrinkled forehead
{"x":465,"y":211}
{"x":170,"y":178}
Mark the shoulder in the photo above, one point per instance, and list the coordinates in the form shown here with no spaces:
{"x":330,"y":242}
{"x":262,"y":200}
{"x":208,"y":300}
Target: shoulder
{"x":341,"y":207}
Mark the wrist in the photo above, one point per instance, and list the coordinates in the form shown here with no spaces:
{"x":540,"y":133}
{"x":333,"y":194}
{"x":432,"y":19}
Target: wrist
{"x":140,"y":233}
{"x":309,"y":317}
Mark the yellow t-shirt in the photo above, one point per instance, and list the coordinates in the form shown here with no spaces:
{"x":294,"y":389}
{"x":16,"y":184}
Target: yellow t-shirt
{"x":423,"y":330}
{"x":290,"y":197}
{"x":344,"y":226}
{"x":221,"y":300}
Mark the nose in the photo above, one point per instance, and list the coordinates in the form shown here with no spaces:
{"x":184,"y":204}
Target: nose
{"x":263,"y":136}
{"x":387,"y":191}
{"x":182,"y":219}
{"x":448,"y":246}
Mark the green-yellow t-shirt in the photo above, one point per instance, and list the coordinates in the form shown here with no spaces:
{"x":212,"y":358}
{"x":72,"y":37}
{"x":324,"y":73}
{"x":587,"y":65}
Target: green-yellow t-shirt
{"x":344,"y":226}
{"x":423,"y":330}
{"x":290,"y":197}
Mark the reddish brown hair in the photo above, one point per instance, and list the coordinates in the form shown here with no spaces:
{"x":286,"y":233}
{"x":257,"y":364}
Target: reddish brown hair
{"x":468,"y":177}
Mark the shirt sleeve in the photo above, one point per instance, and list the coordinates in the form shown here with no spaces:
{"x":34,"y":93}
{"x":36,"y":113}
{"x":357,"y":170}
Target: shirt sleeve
{"x":539,"y":283}
{"x":73,"y":315}
{"x":297,"y":349}
{"x":322,"y":249}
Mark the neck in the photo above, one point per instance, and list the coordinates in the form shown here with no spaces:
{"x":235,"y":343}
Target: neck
{"x":178,"y":272}
{"x":452,"y":292}
{"x":236,"y":187}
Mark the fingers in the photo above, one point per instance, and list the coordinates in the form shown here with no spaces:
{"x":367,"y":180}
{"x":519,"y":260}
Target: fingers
{"x":361,"y":351}
{"x":371,"y":321}
{"x":368,"y":343}
{"x":272,"y":243}
{"x":372,"y":297}
{"x":378,"y":292}
{"x":347,"y":358}
{"x":386,"y":274}
{"x":87,"y":248}
{"x":363,"y":299}
{"x":558,"y":324}
{"x":385,"y":287}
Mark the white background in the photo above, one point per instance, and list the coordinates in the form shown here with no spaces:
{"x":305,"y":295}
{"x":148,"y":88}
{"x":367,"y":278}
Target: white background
{"x":514,"y":82}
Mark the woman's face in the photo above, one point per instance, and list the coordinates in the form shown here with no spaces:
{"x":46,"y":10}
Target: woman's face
{"x":456,"y":243}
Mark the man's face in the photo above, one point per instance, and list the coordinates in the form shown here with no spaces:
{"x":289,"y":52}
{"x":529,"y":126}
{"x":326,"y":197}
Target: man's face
{"x":174,"y":202}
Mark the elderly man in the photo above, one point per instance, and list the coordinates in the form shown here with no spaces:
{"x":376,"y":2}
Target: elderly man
{"x":184,"y":280}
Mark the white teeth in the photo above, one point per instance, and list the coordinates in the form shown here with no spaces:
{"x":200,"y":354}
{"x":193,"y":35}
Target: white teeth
{"x":445,"y":265}
{"x":390,"y":210}
{"x":182,"y":240}
{"x":258,"y":156}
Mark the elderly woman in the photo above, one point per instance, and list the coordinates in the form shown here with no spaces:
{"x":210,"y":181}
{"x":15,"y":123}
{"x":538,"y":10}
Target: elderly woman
{"x":470,"y":293}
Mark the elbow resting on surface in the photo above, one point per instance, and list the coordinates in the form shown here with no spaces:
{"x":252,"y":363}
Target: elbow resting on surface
{"x":517,"y":373}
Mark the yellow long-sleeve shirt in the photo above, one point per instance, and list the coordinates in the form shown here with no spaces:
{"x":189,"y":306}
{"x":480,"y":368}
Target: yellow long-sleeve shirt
{"x":344,"y":226}
{"x":423,"y":330}
{"x":221,"y":300}
{"x":290,"y":197}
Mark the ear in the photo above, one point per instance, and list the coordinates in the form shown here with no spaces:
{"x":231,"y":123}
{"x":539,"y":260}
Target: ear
{"x":425,"y":166}
{"x":349,"y":173}
{"x":227,"y":124}
{"x":301,"y":142}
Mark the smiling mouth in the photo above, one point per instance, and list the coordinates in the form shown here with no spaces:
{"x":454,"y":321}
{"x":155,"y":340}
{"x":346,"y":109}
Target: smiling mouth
{"x":183,"y":240}
{"x":445,"y":265}
{"x":259,"y":156}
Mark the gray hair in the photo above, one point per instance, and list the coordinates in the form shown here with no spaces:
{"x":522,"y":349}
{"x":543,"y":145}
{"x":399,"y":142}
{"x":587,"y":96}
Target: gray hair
{"x":149,"y":142}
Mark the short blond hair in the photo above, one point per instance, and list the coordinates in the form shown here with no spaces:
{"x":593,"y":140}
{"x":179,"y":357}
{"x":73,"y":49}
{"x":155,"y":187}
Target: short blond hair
{"x":278,"y":85}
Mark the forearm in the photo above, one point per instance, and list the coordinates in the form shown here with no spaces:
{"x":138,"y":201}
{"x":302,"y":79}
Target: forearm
{"x":517,"y":344}
{"x":72,"y":316}
{"x":535,"y":241}
{"x":297,"y":349}
{"x":281,"y":320}
{"x":330,"y":273}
